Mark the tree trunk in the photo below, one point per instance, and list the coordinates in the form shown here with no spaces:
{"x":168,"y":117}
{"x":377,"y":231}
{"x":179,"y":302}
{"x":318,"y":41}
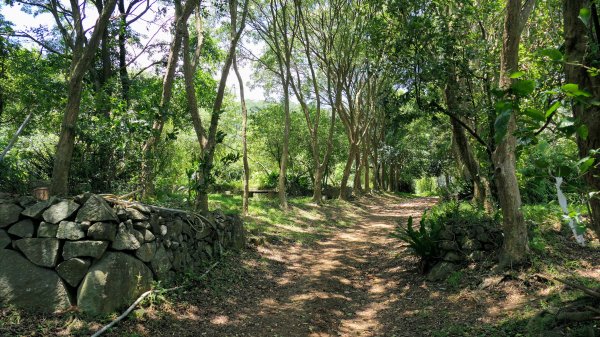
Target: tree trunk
{"x":147,"y":175}
{"x":80,"y":63}
{"x":383,"y":176}
{"x":579,"y":55}
{"x":346,"y":174}
{"x":208,"y":154}
{"x":391,"y":187}
{"x":189,"y":71}
{"x":481,"y":187}
{"x":396,"y":180}
{"x":244,"y":140}
{"x":358,"y":172}
{"x":13,"y":140}
{"x":376,"y":166}
{"x":123,"y":75}
{"x":365,"y":158}
{"x":285,"y":149}
{"x":516,"y":244}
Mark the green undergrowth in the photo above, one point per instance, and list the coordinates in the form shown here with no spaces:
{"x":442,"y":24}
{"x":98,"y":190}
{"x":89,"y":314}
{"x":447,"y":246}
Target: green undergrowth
{"x":304,"y":222}
{"x":554,"y":255}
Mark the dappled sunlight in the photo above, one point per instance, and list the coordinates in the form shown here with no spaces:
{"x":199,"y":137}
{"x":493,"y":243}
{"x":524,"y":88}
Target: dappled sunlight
{"x":355,"y":281}
{"x":220,"y":320}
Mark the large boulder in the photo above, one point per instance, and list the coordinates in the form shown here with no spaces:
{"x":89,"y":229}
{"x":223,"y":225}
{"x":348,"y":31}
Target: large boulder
{"x":96,"y":209}
{"x":43,"y":252}
{"x":9,"y":214}
{"x":60,"y":211}
{"x":93,"y":249}
{"x":28,"y":286}
{"x":112,"y":283}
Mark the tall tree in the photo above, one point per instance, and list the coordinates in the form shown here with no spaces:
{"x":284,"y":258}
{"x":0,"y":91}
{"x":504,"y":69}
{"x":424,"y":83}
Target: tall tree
{"x":213,"y":137}
{"x":278,"y":28}
{"x":246,"y":177}
{"x":81,"y":59}
{"x":581,"y":49}
{"x":182,"y":14}
{"x":516,"y":244}
{"x":306,"y":37}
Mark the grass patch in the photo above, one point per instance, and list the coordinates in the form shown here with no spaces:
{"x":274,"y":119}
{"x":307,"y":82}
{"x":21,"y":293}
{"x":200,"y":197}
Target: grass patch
{"x":304,"y":222}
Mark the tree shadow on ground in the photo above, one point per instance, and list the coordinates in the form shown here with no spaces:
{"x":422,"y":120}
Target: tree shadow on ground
{"x":354,"y":281}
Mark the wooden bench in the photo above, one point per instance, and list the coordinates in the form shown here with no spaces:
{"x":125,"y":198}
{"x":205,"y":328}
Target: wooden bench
{"x":269,"y":193}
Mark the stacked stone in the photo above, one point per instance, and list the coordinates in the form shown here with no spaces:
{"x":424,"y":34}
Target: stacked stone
{"x":463,"y":243}
{"x":99,"y":255}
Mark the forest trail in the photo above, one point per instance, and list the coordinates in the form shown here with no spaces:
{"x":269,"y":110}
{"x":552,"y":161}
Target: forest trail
{"x":351,"y":283}
{"x":341,"y":287}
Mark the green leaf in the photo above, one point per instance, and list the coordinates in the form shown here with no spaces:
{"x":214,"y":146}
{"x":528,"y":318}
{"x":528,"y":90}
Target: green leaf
{"x":583,"y":131}
{"x":573,"y":90}
{"x":553,"y":108}
{"x":523,"y":88}
{"x":584,"y":16}
{"x":540,"y":163}
{"x":585,"y":164}
{"x":553,"y":53}
{"x":570,"y":87}
{"x":535,"y":114}
{"x":564,"y":171}
{"x":517,"y":74}
{"x":501,"y":125}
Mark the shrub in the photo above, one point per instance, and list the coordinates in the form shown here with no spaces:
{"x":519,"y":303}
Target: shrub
{"x":451,"y":217}
{"x":424,"y":241}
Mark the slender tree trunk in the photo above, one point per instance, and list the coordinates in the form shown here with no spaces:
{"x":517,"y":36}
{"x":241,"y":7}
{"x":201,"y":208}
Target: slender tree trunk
{"x":396,"y":179}
{"x":208,"y":155}
{"x":285,"y":149}
{"x":480,"y":184}
{"x":365,"y":158}
{"x":516,"y":244}
{"x":346,"y":174}
{"x":384,"y":180}
{"x":357,"y":172}
{"x":80,"y":63}
{"x":244,"y":140}
{"x":578,"y":52}
{"x":123,"y":74}
{"x":391,"y":186}
{"x":13,"y":140}
{"x":376,"y":166}
{"x":189,"y":71}
{"x":147,"y":174}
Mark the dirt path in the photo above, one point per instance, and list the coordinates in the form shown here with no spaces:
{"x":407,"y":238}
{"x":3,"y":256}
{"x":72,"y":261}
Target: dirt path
{"x":344,"y":285}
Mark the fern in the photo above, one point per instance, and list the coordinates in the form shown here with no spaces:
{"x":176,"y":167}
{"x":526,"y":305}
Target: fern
{"x":424,"y":241}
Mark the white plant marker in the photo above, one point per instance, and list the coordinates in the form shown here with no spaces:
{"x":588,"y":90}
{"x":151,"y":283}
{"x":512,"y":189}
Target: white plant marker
{"x":562,"y":201}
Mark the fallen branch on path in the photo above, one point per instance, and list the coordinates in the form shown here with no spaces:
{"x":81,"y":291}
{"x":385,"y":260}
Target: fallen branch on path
{"x":141,"y":298}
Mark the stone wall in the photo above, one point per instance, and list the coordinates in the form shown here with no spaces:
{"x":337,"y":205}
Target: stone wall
{"x":460,"y":244}
{"x":100,"y":253}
